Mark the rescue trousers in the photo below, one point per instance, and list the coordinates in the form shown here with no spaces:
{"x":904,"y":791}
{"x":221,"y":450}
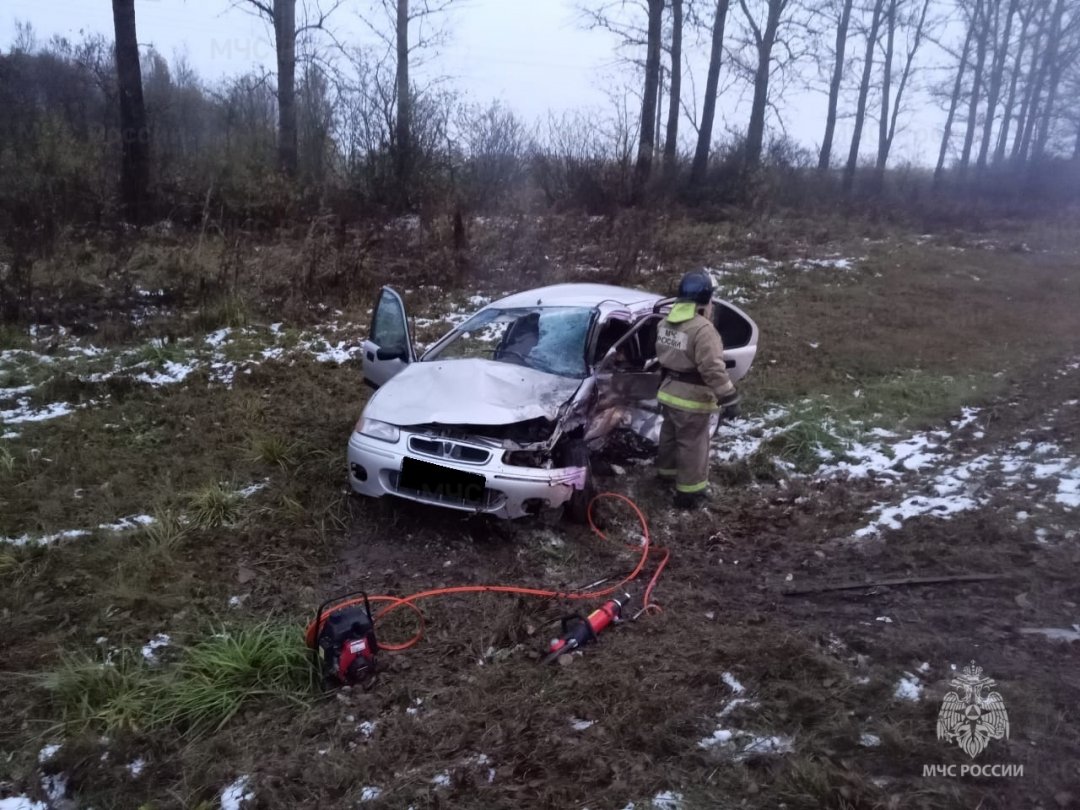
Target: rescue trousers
{"x":684,"y":448}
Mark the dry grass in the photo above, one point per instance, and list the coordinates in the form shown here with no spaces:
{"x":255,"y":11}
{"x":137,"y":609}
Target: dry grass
{"x":917,"y":341}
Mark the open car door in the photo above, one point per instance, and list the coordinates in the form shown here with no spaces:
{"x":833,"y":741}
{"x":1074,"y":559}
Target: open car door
{"x":390,"y":348}
{"x":627,"y":380}
{"x":740,"y":336}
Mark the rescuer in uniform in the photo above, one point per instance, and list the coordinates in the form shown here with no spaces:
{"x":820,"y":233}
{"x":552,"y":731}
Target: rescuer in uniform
{"x":694,"y":385}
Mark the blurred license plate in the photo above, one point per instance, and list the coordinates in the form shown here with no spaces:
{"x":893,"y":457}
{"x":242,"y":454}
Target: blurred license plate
{"x":442,"y":482}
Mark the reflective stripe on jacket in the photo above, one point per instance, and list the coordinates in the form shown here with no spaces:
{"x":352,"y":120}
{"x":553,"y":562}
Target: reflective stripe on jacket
{"x":688,"y":343}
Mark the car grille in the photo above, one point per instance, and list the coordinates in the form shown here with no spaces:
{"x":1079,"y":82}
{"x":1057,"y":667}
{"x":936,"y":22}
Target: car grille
{"x":444,"y":448}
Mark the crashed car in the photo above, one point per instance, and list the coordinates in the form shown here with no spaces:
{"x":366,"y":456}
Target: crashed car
{"x":499,"y":416}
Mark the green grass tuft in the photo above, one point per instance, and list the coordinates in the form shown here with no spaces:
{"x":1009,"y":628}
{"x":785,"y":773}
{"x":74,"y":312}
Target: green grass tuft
{"x":210,"y":682}
{"x":274,"y":450}
{"x":165,"y":533}
{"x":213,"y":506}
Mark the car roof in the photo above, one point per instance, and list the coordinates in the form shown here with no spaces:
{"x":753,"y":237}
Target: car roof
{"x":578,"y":295}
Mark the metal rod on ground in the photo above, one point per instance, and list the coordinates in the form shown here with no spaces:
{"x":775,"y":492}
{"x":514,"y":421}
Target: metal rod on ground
{"x":893,"y":583}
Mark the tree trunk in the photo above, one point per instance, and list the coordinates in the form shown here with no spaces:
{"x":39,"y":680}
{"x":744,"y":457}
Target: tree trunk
{"x":755,"y":132}
{"x":643,"y":167}
{"x":708,"y":109}
{"x":825,"y":156}
{"x":134,"y":135}
{"x":954,"y":102}
{"x":1031,"y":82}
{"x":997,"y":73}
{"x":906,"y":74}
{"x":981,"y":22}
{"x":1041,"y":64}
{"x":1007,"y":112}
{"x":886,"y":90}
{"x":285,"y":45}
{"x":864,"y":91}
{"x":403,"y":133}
{"x":671,"y":142}
{"x":1054,"y":60}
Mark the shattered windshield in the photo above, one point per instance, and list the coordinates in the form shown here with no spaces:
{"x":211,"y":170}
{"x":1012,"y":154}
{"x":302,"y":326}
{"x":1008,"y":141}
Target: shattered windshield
{"x":550,"y":339}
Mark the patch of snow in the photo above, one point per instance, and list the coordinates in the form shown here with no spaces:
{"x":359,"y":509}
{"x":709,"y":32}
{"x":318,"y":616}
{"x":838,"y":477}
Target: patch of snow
{"x":236,"y":795}
{"x":735,"y":703}
{"x":149,"y":650}
{"x":136,"y":767}
{"x":733,"y":683}
{"x":370,"y":793}
{"x":884,"y":619}
{"x":55,"y":786}
{"x":767,"y":745}
{"x":128,"y":523}
{"x":1054,"y":633}
{"x":171,"y":373}
{"x":237,"y":601}
{"x":21,"y":803}
{"x":251,"y":489}
{"x":48,"y":752}
{"x":580,"y":725}
{"x":908,"y":688}
{"x":217,"y":338}
{"x":718,"y":737}
{"x":867,"y":740}
{"x":667,"y":800}
{"x":366,"y":727}
{"x":441,"y":780}
{"x":23,"y":412}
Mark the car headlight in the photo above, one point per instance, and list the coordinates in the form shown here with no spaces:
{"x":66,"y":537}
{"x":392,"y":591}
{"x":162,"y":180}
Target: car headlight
{"x":374,"y":429}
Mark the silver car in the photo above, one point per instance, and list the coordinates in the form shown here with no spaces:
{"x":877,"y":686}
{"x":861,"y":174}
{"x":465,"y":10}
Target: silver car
{"x":499,"y":415}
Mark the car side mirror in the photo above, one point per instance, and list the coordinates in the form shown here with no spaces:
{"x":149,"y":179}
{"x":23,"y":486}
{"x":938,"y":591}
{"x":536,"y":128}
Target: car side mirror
{"x":392,"y":354}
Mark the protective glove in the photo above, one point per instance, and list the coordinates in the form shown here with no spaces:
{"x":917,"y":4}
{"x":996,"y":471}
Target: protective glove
{"x":729,"y":406}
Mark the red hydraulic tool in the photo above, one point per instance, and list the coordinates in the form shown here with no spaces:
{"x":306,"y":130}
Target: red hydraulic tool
{"x":577,"y":631}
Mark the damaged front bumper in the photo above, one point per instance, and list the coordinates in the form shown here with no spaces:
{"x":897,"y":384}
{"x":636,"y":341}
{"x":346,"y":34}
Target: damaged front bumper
{"x":491,"y":486}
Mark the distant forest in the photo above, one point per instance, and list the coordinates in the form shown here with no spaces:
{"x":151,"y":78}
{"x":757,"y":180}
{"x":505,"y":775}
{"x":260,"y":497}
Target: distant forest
{"x":99,"y":132}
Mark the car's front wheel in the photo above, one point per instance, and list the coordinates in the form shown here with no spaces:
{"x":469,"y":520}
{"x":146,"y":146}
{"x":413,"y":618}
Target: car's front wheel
{"x":576,"y":454}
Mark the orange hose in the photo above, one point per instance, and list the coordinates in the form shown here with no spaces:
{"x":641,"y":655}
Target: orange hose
{"x":394,"y":602}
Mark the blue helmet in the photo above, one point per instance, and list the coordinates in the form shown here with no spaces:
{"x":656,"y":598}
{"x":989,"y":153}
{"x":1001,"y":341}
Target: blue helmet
{"x":696,"y":286}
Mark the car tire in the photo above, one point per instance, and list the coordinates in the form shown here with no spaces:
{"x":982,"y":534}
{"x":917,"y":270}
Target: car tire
{"x":576,"y":454}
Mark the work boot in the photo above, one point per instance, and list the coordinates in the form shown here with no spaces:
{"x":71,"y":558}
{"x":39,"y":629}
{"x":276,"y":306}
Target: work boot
{"x":689,"y":500}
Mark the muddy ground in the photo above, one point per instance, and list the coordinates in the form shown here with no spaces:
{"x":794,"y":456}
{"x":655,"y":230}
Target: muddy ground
{"x":738,"y":694}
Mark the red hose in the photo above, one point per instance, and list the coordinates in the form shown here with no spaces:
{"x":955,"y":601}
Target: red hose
{"x":394,"y":603}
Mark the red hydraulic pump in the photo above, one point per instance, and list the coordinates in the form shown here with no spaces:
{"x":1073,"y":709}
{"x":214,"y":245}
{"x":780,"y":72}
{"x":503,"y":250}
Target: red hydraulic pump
{"x":577,"y":631}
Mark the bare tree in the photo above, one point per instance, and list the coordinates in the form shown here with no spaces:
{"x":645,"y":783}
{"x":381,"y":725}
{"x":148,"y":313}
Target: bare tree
{"x":135,"y":138}
{"x":646,"y":145}
{"x":1056,"y":57}
{"x":401,"y":33}
{"x":997,"y":73}
{"x":712,"y":83}
{"x":671,"y":141}
{"x":764,"y":38}
{"x":954,"y":103}
{"x":281,"y":14}
{"x":915,"y":41}
{"x":825,"y":155}
{"x":886,"y":88}
{"x":980,"y":21}
{"x":1027,"y":14}
{"x":864,"y":92}
{"x":1032,"y":88}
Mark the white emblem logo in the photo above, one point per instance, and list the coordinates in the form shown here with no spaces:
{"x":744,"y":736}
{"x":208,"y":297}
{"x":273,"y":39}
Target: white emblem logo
{"x":969,"y":717}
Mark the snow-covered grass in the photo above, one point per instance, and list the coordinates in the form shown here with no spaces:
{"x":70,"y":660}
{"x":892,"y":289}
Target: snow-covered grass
{"x":219,"y":356}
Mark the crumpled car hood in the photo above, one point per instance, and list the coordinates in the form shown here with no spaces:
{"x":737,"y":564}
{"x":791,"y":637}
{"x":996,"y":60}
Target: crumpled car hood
{"x":470,"y":391}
